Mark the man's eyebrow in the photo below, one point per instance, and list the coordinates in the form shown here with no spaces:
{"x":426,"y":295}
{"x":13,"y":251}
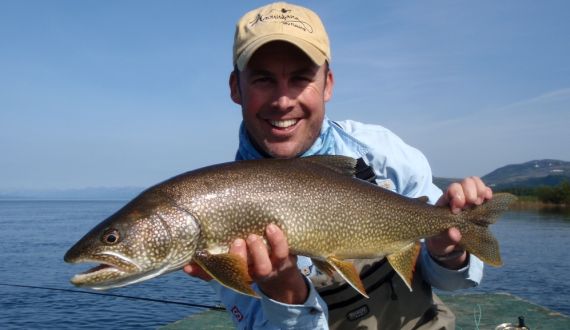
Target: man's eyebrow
{"x":260,"y":72}
{"x":310,"y":70}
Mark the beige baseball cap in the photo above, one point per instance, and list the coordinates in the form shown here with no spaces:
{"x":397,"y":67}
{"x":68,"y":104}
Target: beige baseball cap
{"x":281,"y":21}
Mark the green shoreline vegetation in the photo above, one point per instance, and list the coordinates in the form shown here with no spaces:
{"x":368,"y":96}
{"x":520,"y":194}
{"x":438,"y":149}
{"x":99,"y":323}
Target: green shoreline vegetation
{"x":550,"y":197}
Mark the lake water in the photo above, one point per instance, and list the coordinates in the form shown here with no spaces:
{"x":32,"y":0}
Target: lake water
{"x":35,"y":235}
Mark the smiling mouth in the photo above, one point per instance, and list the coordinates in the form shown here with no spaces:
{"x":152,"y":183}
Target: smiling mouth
{"x":283,"y":123}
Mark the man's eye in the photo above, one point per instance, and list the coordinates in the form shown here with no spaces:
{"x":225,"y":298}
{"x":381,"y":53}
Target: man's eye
{"x":302,"y":79}
{"x":262,"y":80}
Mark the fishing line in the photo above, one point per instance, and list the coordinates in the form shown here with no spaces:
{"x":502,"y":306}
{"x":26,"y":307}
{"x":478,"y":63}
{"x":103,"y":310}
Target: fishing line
{"x":477,"y":314}
{"x":219,"y":308}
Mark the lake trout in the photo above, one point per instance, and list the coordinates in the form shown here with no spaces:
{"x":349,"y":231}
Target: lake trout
{"x":326,"y":213}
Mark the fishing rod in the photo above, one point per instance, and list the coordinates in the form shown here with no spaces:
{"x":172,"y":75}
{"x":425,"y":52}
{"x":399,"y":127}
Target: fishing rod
{"x":218,"y":308}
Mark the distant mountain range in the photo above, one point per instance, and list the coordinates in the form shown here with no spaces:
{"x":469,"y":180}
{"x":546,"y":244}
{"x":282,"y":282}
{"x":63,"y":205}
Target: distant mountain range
{"x":535,"y":173}
{"x":545,"y":172}
{"x":99,"y":193}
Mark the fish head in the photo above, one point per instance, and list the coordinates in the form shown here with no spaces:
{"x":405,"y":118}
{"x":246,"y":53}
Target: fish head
{"x":146,"y":238}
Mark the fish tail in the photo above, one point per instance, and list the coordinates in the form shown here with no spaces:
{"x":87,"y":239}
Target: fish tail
{"x":476,"y":236}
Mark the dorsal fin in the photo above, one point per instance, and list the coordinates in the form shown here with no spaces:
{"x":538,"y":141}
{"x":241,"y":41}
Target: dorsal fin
{"x":422,"y":199}
{"x":340,"y":164}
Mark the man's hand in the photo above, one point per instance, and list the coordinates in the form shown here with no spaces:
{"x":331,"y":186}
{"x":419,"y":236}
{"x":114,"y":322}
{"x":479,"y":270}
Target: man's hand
{"x":274,"y":270}
{"x":444,"y":247}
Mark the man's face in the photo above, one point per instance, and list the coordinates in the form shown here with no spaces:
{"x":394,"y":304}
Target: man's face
{"x":282,"y":94}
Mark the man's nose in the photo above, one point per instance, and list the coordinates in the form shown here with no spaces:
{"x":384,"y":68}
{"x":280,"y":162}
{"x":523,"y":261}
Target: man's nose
{"x":284,"y":102}
{"x":283,"y":98}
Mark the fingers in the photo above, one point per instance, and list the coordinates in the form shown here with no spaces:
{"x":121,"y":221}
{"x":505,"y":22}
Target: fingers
{"x":445,"y":248}
{"x":261,"y":259}
{"x":448,"y":239}
{"x":239,"y":247}
{"x":264,"y":261}
{"x":193,"y":269}
{"x":284,"y":282}
{"x":454,"y":236}
{"x":478,"y":192}
{"x":278,"y":243}
{"x":445,"y":242}
{"x":470,"y":191}
{"x":270,"y":265}
{"x":260,"y":262}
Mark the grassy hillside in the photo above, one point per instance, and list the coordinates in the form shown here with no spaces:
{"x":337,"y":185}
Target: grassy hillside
{"x":532,"y":174}
{"x":544,"y":181}
{"x":547,"y":172}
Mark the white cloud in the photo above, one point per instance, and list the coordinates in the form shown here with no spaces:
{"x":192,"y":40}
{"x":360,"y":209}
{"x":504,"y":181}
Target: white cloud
{"x":479,"y":142}
{"x":556,"y":100}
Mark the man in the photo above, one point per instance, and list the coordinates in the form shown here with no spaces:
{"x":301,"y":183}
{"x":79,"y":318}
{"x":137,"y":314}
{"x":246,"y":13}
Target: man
{"x":282,"y":81}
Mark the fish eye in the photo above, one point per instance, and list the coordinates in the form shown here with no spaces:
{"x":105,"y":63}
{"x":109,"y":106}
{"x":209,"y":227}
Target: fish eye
{"x":111,"y":236}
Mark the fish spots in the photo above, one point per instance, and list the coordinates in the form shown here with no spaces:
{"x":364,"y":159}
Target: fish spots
{"x":323,"y":211}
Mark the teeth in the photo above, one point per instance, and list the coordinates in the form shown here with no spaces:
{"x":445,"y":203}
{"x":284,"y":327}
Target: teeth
{"x":96,"y":269}
{"x":283,"y":123}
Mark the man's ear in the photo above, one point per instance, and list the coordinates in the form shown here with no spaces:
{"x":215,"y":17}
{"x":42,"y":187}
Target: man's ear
{"x":329,"y":84}
{"x":234,"y":88}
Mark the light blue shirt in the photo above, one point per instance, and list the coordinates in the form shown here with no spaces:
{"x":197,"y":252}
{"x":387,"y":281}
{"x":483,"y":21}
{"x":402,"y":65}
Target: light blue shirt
{"x":398,"y":167}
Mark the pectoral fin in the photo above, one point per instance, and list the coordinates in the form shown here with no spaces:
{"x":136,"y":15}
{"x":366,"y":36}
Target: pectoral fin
{"x":324,"y":267}
{"x":228,"y":269}
{"x":348,"y":272}
{"x":404,"y":262}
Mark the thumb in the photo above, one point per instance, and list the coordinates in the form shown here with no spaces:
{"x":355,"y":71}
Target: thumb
{"x":194,"y":270}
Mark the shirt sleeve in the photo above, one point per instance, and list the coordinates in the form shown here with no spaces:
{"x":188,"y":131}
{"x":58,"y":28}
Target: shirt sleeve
{"x":449,"y":279}
{"x":266,"y":313}
{"x":415,"y":179}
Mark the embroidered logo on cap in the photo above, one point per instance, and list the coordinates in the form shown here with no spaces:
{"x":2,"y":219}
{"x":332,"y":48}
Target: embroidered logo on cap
{"x":284,"y":17}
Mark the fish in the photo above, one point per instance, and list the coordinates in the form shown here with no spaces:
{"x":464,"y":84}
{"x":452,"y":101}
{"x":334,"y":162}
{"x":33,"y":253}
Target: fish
{"x":326,"y":213}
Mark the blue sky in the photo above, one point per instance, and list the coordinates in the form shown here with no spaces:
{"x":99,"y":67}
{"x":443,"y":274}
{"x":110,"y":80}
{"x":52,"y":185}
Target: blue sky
{"x":129,"y":93}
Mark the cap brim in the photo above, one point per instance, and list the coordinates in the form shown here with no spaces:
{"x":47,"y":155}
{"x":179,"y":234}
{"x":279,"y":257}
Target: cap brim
{"x":311,"y":51}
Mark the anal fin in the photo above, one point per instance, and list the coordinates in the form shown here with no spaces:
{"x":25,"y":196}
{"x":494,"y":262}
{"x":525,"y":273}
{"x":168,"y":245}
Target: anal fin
{"x":404,"y":262}
{"x":348,"y":272}
{"x":228,"y":269}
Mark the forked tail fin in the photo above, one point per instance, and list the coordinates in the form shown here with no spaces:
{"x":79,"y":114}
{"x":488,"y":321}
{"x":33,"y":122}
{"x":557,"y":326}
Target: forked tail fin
{"x":476,"y":236}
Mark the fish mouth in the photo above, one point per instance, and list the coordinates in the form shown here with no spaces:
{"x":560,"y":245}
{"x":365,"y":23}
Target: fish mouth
{"x":111,"y":271}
